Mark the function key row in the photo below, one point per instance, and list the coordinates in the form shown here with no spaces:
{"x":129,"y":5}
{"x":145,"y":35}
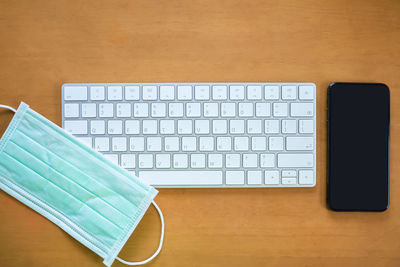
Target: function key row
{"x":188,"y":92}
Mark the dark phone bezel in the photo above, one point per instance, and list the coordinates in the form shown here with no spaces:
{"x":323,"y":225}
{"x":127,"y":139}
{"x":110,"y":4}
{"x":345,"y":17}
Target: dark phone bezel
{"x":329,"y":192}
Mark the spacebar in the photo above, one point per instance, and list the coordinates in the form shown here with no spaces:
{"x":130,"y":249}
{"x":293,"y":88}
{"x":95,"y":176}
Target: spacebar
{"x":181,"y":177}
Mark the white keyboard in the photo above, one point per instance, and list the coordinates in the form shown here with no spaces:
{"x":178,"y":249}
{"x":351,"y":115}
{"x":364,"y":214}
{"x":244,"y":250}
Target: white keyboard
{"x":200,"y":134}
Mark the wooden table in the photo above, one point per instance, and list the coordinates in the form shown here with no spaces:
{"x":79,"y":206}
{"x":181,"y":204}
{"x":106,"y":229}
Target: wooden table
{"x":44,"y":44}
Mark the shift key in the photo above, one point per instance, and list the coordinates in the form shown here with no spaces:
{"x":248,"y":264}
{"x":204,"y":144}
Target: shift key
{"x":295,"y":160}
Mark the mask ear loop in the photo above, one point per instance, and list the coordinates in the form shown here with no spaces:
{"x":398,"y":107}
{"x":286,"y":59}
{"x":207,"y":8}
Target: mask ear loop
{"x":159,"y":246}
{"x":8,"y":107}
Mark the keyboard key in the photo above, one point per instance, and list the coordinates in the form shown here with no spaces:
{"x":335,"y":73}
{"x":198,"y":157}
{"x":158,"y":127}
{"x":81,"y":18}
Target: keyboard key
{"x":150,"y":127}
{"x":306,"y":126}
{"x":232,"y":160}
{"x":97,"y":93}
{"x":202,"y":92}
{"x":145,"y":161}
{"x":246,"y":110}
{"x":228,"y":109}
{"x":289,"y":173}
{"x":210,"y":110}
{"x":235,"y":177}
{"x":289,"y":92}
{"x":306,"y":92}
{"x":302,"y":109}
{"x":175,"y":110}
{"x":272,"y":177}
{"x":102,"y":144}
{"x":295,"y":160}
{"x":275,"y":143}
{"x":254,"y":92}
{"x":220,"y":126}
{"x":167,"y":92}
{"x":119,"y":144}
{"x":106,"y":110}
{"x":136,"y":144}
{"x":224,"y":143}
{"x":193,"y":110}
{"x":124,"y":110}
{"x":184,"y":92}
{"x":132,"y":92}
{"x":189,"y":143}
{"x":267,"y":160}
{"x":167,"y":126}
{"x":263,"y":109}
{"x":289,"y":181}
{"x":271,"y":92}
{"x":306,"y":177}
{"x":241,"y":143}
{"x":202,"y":126}
{"x":254,"y":177}
{"x":299,"y":143}
{"x":149,"y":92}
{"x":114,"y":127}
{"x":89,"y":110}
{"x":289,"y":126}
{"x":271,"y":126}
{"x":128,"y":161}
{"x":236,"y":92}
{"x":75,"y":92}
{"x":259,"y":143}
{"x":181,"y":161}
{"x":185,"y":127}
{"x":280,"y":109}
{"x":132,"y":127}
{"x":71,"y":110}
{"x":181,"y":178}
{"x":206,"y":143}
{"x":76,"y":127}
{"x":215,"y":160}
{"x":140,"y":110}
{"x":171,"y":143}
{"x":250,"y":160}
{"x":97,"y":127}
{"x":114,"y":92}
{"x":219,"y":92}
{"x":236,"y":126}
{"x":153,"y":143}
{"x":254,"y":126}
{"x":198,"y":161}
{"x":163,"y":161}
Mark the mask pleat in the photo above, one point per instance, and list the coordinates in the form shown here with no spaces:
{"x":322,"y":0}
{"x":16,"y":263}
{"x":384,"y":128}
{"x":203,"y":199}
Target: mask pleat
{"x":74,"y":209}
{"x":33,"y":130}
{"x":69,"y":186}
{"x":87,"y":183}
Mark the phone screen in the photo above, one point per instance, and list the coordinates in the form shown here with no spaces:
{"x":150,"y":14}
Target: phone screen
{"x":358,"y":147}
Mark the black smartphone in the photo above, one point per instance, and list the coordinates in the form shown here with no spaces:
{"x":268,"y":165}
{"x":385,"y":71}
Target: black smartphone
{"x":358,"y":146}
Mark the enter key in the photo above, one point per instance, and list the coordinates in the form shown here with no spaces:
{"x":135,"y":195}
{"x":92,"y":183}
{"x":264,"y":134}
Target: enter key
{"x":299,"y":143}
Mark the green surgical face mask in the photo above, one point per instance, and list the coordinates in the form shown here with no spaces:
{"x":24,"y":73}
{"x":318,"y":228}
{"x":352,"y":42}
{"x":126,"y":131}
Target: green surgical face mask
{"x":93,"y":200}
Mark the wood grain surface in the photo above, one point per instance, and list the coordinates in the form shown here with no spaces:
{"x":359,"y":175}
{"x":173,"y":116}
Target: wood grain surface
{"x":44,"y":44}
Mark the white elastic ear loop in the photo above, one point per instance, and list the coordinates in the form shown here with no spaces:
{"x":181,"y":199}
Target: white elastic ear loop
{"x":8,"y":107}
{"x":159,"y":246}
